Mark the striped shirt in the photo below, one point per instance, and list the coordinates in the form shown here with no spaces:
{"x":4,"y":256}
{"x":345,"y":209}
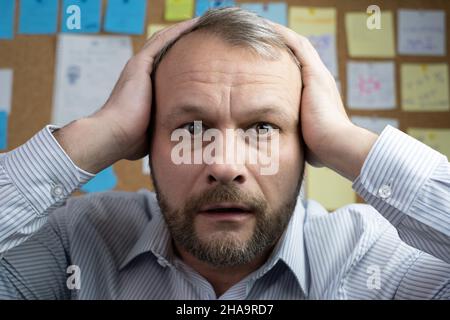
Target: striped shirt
{"x":116,"y":245}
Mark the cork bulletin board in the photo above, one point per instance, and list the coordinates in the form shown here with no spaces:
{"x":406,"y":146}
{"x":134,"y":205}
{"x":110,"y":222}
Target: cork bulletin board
{"x":32,"y":59}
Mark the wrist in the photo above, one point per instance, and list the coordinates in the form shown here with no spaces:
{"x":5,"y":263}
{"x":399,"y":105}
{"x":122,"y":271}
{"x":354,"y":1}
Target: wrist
{"x":88,"y":144}
{"x":349,"y":149}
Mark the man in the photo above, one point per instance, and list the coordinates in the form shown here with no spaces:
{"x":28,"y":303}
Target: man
{"x":223,"y":229}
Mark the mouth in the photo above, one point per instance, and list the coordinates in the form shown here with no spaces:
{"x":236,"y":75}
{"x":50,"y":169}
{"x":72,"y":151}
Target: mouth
{"x":226,"y":211}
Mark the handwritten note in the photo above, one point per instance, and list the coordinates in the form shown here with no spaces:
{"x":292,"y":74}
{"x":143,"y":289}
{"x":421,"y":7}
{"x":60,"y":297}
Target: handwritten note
{"x":370,"y":85}
{"x":177,"y":10}
{"x":87,"y":68}
{"x":153,"y":28}
{"x":38,"y":16}
{"x":201,"y":6}
{"x":124,"y":16}
{"x":425,"y":87}
{"x":319,"y":26}
{"x":438,"y":139}
{"x":3,"y":130}
{"x":374,"y":124}
{"x":328,"y":188}
{"x":274,"y":11}
{"x":365,"y":42}
{"x":421,"y":32}
{"x":7,"y":8}
{"x":90,"y":14}
{"x":104,"y":180}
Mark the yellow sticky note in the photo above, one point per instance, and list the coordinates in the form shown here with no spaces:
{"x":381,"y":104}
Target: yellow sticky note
{"x":365,"y":42}
{"x":153,"y":28}
{"x":312,"y":21}
{"x":177,"y":10}
{"x":425,"y":87}
{"x":438,"y":139}
{"x":328,"y":188}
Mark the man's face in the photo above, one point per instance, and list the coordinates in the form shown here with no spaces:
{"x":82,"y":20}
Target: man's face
{"x":226,"y":214}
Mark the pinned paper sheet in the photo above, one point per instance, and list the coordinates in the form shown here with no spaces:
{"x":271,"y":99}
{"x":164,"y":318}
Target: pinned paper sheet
{"x":90,"y":14}
{"x":38,"y":16}
{"x":3,"y":130}
{"x":370,"y":85}
{"x":87,"y":68}
{"x":421,"y":32}
{"x":153,"y":28}
{"x":438,"y":139}
{"x":7,"y":8}
{"x":145,"y":166}
{"x":6,"y":84}
{"x":201,"y":6}
{"x":425,"y":87}
{"x":364,"y":42}
{"x":374,"y":124}
{"x":177,"y":10}
{"x":124,"y":16}
{"x":274,"y":11}
{"x":104,"y":180}
{"x":328,"y":188}
{"x":319,"y":26}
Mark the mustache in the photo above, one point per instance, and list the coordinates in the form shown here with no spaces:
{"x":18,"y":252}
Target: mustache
{"x":226,"y":193}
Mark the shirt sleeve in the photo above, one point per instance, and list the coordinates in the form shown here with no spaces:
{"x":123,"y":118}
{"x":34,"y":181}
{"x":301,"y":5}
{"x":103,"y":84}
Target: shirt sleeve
{"x":35,"y":179}
{"x":409,"y":184}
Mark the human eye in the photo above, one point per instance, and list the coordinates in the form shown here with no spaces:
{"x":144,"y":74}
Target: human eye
{"x":264,"y":129}
{"x":194,"y":127}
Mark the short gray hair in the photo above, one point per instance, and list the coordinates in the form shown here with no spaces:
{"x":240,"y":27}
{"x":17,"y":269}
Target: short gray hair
{"x":239,"y":28}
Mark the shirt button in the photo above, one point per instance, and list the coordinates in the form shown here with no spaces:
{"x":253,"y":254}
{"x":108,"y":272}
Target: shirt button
{"x":385,"y":191}
{"x":57,"y":191}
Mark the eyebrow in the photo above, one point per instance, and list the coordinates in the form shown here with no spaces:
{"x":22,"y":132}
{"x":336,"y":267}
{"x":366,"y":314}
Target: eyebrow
{"x":195,"y":110}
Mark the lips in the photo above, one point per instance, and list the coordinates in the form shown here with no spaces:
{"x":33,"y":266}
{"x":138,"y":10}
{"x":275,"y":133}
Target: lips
{"x":225,"y":208}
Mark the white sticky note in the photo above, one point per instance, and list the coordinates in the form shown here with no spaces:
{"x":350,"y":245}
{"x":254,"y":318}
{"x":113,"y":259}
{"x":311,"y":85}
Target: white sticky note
{"x":374,"y":124}
{"x":145,"y":166}
{"x":421,"y":32}
{"x":370,"y":85}
{"x":6,"y":84}
{"x":87,"y":68}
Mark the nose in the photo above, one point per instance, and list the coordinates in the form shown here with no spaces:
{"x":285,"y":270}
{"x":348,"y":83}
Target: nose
{"x":226,"y":174}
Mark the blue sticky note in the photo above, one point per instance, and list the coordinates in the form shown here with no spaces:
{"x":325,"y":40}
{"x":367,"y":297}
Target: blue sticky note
{"x":3,"y":129}
{"x":201,"y":6}
{"x":7,"y":19}
{"x":125,"y":16}
{"x":275,"y":11}
{"x":104,"y":180}
{"x":38,"y":16}
{"x":88,"y":13}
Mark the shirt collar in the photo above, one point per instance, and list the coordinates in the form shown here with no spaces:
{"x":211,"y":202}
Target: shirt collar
{"x":290,"y":248}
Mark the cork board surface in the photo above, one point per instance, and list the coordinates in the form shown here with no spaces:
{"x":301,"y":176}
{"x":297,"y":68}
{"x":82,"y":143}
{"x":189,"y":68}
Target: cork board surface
{"x":32,"y":59}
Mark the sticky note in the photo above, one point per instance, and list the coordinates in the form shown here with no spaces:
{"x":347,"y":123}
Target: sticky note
{"x":365,"y":42}
{"x":89,"y":16}
{"x":104,"y":180}
{"x":274,"y":11}
{"x":370,"y":85}
{"x":176,"y":10}
{"x":438,"y":139}
{"x":421,"y":32}
{"x":424,"y":87}
{"x":7,"y":9}
{"x":38,"y":16}
{"x":153,"y":28}
{"x":145,"y":166}
{"x":201,"y":6}
{"x":3,"y":129}
{"x":374,"y":124}
{"x":328,"y":188}
{"x":125,"y":16}
{"x":6,"y":85}
{"x":319,"y":26}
